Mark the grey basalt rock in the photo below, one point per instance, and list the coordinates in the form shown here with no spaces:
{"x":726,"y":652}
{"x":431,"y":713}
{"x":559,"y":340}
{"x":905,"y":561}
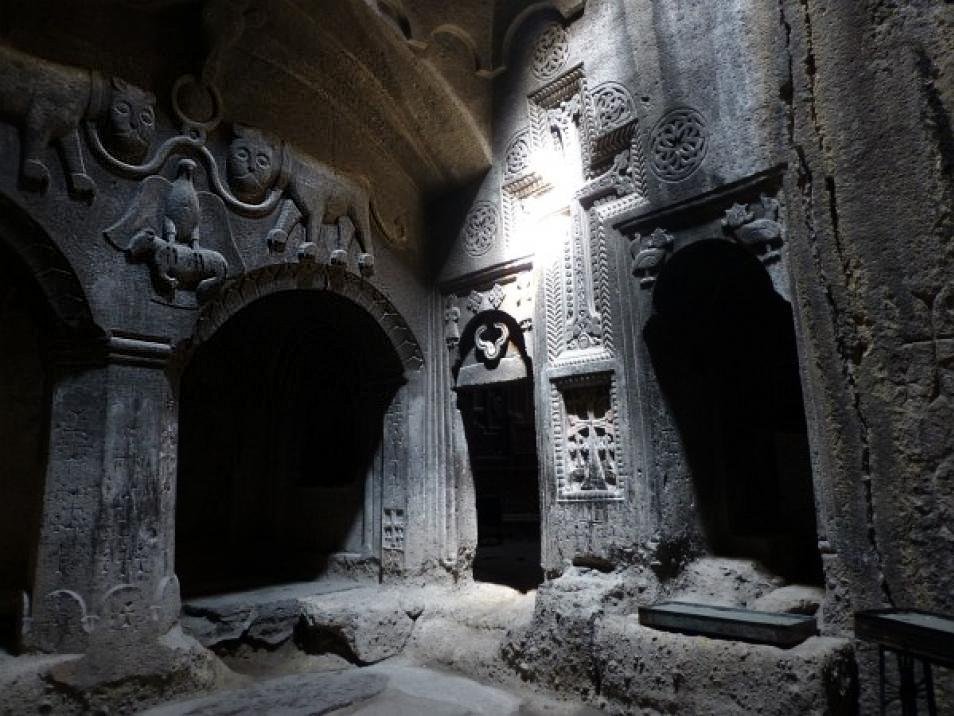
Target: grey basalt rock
{"x":300,"y":694}
{"x":359,"y":624}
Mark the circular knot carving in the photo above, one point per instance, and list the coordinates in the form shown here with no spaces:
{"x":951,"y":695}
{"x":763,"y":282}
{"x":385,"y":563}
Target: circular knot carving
{"x":679,"y":143}
{"x":480,"y":228}
{"x":517,"y":160}
{"x":612,"y":104}
{"x":550,"y":52}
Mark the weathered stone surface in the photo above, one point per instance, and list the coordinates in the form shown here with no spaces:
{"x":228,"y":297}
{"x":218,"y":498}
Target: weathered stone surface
{"x":657,"y":672}
{"x":795,"y":599}
{"x":264,"y":617}
{"x":299,"y":694}
{"x":359,"y":624}
{"x":714,"y":240}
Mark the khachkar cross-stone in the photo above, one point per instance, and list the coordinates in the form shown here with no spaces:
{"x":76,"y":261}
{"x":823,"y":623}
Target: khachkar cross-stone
{"x":591,"y":449}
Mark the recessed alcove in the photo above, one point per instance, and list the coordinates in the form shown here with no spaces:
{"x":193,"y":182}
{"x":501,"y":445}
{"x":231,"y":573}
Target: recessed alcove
{"x":723,"y":348}
{"x":499,"y":425}
{"x":24,"y":428}
{"x":281,"y":417}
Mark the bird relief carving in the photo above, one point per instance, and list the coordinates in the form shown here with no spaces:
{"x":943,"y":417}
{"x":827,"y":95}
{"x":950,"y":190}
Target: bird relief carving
{"x":649,"y":252}
{"x":755,"y":226}
{"x":163,"y":227}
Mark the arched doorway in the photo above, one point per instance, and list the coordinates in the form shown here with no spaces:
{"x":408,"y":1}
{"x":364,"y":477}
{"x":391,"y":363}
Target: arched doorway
{"x":722,"y":343}
{"x":25,"y":323}
{"x":281,"y":414}
{"x":495,"y":398}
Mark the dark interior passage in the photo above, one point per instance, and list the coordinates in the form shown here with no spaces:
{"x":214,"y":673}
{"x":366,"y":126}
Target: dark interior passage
{"x":722,"y":343}
{"x":24,"y":428}
{"x":499,"y":423}
{"x":281,"y":416}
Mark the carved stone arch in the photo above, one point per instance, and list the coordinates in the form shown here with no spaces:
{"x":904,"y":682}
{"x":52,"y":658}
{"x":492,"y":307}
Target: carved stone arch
{"x":510,"y":27}
{"x":50,"y":269}
{"x":492,"y":349}
{"x":671,"y":282}
{"x":395,"y":12}
{"x":295,"y":277}
{"x":463,"y":38}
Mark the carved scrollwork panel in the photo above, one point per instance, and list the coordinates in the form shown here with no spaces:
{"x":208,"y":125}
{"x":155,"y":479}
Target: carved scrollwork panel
{"x":480,"y":228}
{"x":550,"y":51}
{"x":519,"y":152}
{"x":613,"y":106}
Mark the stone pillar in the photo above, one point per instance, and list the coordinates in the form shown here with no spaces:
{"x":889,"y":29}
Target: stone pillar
{"x":105,"y":556}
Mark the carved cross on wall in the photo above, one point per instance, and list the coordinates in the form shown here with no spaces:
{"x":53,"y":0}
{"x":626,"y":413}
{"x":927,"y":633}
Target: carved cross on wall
{"x":590,"y":437}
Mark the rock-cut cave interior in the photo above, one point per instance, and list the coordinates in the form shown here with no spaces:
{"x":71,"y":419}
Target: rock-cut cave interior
{"x":480,"y":357}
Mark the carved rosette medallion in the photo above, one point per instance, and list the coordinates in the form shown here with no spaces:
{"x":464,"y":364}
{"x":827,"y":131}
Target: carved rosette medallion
{"x":550,"y":52}
{"x":679,"y":143}
{"x":480,"y":228}
{"x":517,"y":159}
{"x":612,"y":105}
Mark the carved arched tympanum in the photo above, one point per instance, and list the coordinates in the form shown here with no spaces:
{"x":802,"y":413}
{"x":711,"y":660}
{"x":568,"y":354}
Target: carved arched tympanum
{"x":492,"y":349}
{"x":294,"y":277}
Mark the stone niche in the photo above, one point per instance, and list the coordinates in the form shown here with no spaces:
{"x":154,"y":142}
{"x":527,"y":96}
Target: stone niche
{"x":293,"y":472}
{"x":717,"y":368}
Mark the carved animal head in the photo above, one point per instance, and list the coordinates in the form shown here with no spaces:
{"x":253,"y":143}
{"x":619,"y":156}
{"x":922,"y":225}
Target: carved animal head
{"x":658,"y":239}
{"x":130,"y":121}
{"x":253,"y":163}
{"x":737,"y":216}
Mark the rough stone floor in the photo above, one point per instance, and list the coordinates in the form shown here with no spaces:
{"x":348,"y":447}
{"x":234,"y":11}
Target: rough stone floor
{"x":393,"y":688}
{"x":342,"y":646}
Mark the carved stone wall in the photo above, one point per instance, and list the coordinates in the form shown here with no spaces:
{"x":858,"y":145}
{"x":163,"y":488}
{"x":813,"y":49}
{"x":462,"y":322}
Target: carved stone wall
{"x":168,"y":216}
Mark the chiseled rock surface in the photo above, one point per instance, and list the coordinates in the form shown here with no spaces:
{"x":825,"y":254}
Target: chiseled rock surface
{"x":642,"y":670}
{"x":585,"y":639}
{"x":466,"y":629}
{"x":298,"y":694}
{"x":793,"y":599}
{"x":266,"y":617}
{"x":391,"y":689}
{"x":365,"y":624}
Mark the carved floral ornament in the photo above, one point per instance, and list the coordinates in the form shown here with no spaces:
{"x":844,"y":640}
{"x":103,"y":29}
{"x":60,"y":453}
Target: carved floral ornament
{"x":480,"y":228}
{"x":612,"y":104}
{"x":550,"y":52}
{"x":517,"y":159}
{"x":181,"y":231}
{"x":679,"y":143}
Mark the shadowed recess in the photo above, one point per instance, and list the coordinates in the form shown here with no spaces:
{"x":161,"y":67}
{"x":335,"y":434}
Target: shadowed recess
{"x":281,"y":422}
{"x":722,"y":343}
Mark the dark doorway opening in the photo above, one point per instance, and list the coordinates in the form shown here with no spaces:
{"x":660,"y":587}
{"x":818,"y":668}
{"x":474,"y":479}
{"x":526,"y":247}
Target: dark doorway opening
{"x":281,"y":416}
{"x":24,"y":431}
{"x":723,"y":347}
{"x":499,"y":423}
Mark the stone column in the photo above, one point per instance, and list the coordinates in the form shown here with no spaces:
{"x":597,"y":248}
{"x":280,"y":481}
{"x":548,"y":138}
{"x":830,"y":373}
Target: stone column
{"x":105,"y":556}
